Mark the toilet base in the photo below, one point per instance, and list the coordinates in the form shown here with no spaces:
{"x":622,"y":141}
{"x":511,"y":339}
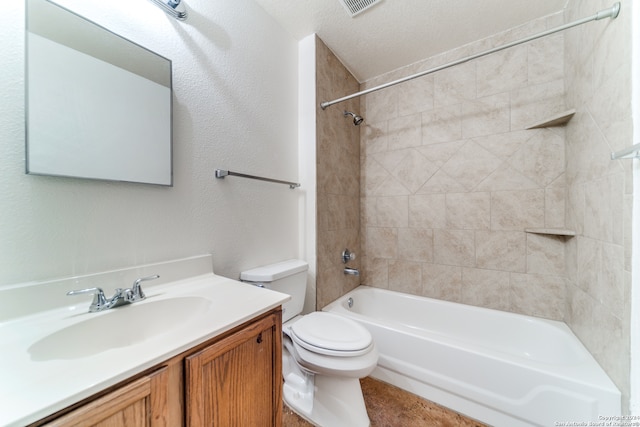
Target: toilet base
{"x":317,"y":394}
{"x":326,"y":401}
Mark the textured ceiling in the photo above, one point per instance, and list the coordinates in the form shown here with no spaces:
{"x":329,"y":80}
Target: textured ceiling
{"x":395,"y":33}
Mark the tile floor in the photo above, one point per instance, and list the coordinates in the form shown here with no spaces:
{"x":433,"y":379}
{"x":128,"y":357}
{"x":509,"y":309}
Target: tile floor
{"x":389,"y":406}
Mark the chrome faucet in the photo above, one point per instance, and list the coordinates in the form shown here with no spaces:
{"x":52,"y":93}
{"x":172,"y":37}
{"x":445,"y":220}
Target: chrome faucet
{"x":351,"y":271}
{"x":347,"y":256}
{"x":135,"y":293}
{"x":120,"y":297}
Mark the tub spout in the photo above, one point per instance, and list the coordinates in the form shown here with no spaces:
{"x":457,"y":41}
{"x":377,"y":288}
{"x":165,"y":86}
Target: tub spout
{"x":351,"y":271}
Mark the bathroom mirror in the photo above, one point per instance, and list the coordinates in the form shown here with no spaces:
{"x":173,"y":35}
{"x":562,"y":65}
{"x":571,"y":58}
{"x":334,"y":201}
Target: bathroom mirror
{"x":98,"y":106}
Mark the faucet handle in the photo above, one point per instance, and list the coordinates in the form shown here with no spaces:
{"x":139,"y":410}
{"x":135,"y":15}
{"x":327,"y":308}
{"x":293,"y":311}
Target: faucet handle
{"x":347,"y":256}
{"x":136,"y":293}
{"x":99,"y":300}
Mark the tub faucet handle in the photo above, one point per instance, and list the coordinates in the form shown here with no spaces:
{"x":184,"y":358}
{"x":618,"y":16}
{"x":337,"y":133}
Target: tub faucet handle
{"x":347,"y":256}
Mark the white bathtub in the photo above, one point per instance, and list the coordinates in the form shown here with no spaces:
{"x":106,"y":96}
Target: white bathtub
{"x":500,"y":368}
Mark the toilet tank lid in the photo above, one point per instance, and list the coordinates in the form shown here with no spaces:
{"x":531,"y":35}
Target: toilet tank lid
{"x":271,"y":272}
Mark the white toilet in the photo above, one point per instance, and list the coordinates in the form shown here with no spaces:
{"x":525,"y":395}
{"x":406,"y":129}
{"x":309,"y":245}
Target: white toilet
{"x":324,"y":355}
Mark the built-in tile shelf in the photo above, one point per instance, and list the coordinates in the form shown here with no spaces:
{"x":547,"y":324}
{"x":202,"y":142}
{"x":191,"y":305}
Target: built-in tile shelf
{"x":551,"y":231}
{"x":556,"y":120}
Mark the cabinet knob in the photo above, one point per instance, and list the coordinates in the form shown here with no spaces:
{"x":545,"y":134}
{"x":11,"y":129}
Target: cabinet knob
{"x":259,"y":339}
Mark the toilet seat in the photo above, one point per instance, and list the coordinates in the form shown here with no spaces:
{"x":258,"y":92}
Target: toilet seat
{"x":330,"y":334}
{"x":344,"y":367}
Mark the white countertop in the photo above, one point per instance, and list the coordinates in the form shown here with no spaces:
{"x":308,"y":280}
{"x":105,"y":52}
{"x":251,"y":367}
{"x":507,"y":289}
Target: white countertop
{"x":34,"y":385}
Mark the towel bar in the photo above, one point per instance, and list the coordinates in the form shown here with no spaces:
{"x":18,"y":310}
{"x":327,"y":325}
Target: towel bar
{"x":221,"y":173}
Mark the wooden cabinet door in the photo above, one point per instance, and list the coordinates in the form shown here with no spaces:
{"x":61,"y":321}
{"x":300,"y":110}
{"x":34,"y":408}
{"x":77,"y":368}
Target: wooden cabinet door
{"x":141,"y":403}
{"x":237,"y":381}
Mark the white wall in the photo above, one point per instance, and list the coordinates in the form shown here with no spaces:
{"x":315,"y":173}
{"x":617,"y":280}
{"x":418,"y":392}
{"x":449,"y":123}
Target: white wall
{"x":634,"y":406}
{"x":307,"y":161}
{"x":235,"y":107}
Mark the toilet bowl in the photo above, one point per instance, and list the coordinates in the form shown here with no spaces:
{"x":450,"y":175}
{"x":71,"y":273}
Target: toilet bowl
{"x":324,"y":355}
{"x":328,"y":344}
{"x":327,"y":355}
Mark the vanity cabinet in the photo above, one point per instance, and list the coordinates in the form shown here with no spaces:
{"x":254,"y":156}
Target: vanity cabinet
{"x":234,"y":379}
{"x":237,"y":381}
{"x":139,"y":403}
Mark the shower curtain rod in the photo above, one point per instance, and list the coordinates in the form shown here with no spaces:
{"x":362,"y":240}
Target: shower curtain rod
{"x":611,"y":12}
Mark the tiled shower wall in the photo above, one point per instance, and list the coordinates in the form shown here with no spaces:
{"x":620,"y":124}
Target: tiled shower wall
{"x":338,"y":178}
{"x":598,"y":83}
{"x":450,"y":178}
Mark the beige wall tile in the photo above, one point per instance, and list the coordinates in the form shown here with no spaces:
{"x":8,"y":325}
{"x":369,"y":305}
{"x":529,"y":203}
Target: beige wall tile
{"x":392,"y":211}
{"x":486,"y":288}
{"x":541,"y":159}
{"x":442,"y":125}
{"x":442,"y":282}
{"x":580,"y":310}
{"x":555,"y":196}
{"x":390,"y":159}
{"x":338,"y":180}
{"x":468,"y":210}
{"x":545,"y":254}
{"x":414,"y":170}
{"x":455,"y":85}
{"x":470,"y":165}
{"x":441,"y":182}
{"x":381,"y":105}
{"x":612,"y":289}
{"x":391,"y":186}
{"x":486,"y":116}
{"x":604,"y":208}
{"x":428,"y":211}
{"x":415,"y":244}
{"x":517,"y":210}
{"x":535,"y":103}
{"x":506,"y":178}
{"x":336,"y":215}
{"x":574,"y":218}
{"x":501,"y":250}
{"x":454,"y":247}
{"x":587,"y":151}
{"x":477,"y":179}
{"x":538,"y":295}
{"x":374,"y":137}
{"x":610,"y":113}
{"x":327,"y":288}
{"x":545,"y":59}
{"x":382,"y":242}
{"x":377,"y":272}
{"x":438,"y":154}
{"x":588,"y":264}
{"x":405,"y":276}
{"x":405,"y":132}
{"x":372,"y":175}
{"x":415,"y":96}
{"x":504,"y":145}
{"x":502,"y":71}
{"x":368,"y":213}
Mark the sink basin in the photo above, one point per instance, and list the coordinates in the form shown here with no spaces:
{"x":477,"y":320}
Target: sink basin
{"x":119,"y":327}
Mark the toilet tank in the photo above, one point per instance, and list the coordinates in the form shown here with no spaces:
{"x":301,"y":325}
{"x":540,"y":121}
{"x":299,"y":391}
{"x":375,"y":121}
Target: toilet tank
{"x":288,"y":277}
